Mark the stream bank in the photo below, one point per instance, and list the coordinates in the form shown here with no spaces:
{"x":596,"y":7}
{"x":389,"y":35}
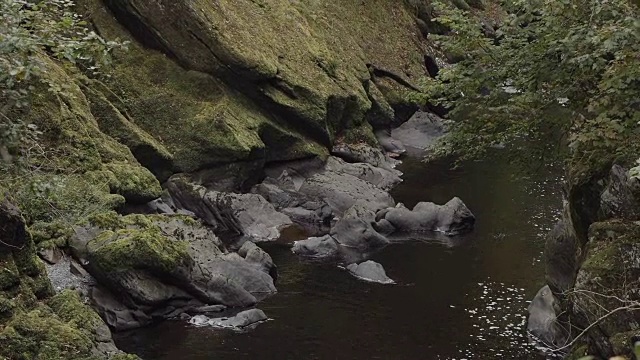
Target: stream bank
{"x":449,"y":302}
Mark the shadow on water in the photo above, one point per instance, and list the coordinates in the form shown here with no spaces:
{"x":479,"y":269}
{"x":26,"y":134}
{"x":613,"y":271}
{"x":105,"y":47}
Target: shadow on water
{"x":463,"y":302}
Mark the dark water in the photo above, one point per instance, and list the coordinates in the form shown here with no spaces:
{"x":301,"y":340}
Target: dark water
{"x":465,"y":302}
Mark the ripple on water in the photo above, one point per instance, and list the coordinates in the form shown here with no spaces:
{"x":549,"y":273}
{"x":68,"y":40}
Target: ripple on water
{"x":499,"y":318}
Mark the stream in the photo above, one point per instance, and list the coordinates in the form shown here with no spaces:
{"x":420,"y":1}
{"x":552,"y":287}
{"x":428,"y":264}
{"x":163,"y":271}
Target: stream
{"x":462,"y":302}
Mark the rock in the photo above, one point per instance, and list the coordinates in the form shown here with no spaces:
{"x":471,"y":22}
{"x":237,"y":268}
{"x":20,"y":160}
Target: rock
{"x":242,"y":214}
{"x":452,"y":218}
{"x":241,"y":321}
{"x":114,"y":313}
{"x":68,"y":274}
{"x":51,"y":255}
{"x":392,"y":146}
{"x":316,"y":93}
{"x":419,"y":133}
{"x":619,"y":199}
{"x":363,"y":153}
{"x":153,"y":262}
{"x":324,"y":247}
{"x":341,"y":191}
{"x":314,"y":218}
{"x":206,"y":310}
{"x":562,"y":256}
{"x":355,"y":230}
{"x":611,"y":263}
{"x":543,"y":322}
{"x":255,"y":255}
{"x":380,"y":177}
{"x":370,"y":271}
{"x":159,"y":206}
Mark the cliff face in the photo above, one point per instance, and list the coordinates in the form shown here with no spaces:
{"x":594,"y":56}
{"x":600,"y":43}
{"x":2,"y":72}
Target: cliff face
{"x":215,"y":89}
{"x":593,"y":262}
{"x":207,"y":83}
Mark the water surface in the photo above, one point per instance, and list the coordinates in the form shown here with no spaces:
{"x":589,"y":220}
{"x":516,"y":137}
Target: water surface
{"x":464,"y":302}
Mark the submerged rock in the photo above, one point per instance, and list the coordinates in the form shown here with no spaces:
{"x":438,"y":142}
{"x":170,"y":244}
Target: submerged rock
{"x":242,"y":321}
{"x":452,"y":218}
{"x":370,"y":271}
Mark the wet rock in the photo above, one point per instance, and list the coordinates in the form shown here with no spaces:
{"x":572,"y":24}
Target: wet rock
{"x":241,"y":321}
{"x":355,"y":230}
{"x":562,"y":256}
{"x":370,"y":271}
{"x":324,"y":247}
{"x":543,"y":321}
{"x":420,"y":132}
{"x":242,"y":214}
{"x":452,"y":218}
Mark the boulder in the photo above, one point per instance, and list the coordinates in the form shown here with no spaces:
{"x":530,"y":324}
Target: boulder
{"x":419,"y":133}
{"x":160,"y":263}
{"x":341,"y":191}
{"x":240,"y":214}
{"x":452,"y":218}
{"x":317,"y":248}
{"x":355,"y":230}
{"x":543,"y":321}
{"x":370,"y":271}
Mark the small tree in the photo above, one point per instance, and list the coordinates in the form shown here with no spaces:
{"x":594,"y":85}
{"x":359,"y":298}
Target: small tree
{"x":580,"y":56}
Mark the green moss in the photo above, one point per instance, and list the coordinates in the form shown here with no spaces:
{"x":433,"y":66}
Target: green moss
{"x":9,"y":274}
{"x":146,"y":248}
{"x":7,"y":307}
{"x":39,"y":334}
{"x":51,"y":234}
{"x":70,"y":309}
{"x":133,"y":182}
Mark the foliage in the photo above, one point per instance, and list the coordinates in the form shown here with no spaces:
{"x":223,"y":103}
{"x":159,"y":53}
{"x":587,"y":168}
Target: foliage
{"x":579,"y":56}
{"x":29,"y":28}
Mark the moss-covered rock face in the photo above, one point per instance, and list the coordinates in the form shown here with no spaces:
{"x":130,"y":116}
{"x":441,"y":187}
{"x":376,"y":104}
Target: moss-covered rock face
{"x":260,"y":74}
{"x":34,"y":324}
{"x":606,"y":281}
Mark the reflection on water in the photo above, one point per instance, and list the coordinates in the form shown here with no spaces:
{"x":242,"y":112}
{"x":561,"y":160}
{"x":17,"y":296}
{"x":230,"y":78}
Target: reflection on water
{"x":464,"y":302}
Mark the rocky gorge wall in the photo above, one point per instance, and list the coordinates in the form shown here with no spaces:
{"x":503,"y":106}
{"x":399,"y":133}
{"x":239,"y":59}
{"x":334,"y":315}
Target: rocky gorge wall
{"x":209,"y":99}
{"x":589,"y":305}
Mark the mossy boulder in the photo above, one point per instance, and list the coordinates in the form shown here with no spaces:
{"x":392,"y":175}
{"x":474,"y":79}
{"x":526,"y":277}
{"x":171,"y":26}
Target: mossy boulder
{"x":155,"y":265}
